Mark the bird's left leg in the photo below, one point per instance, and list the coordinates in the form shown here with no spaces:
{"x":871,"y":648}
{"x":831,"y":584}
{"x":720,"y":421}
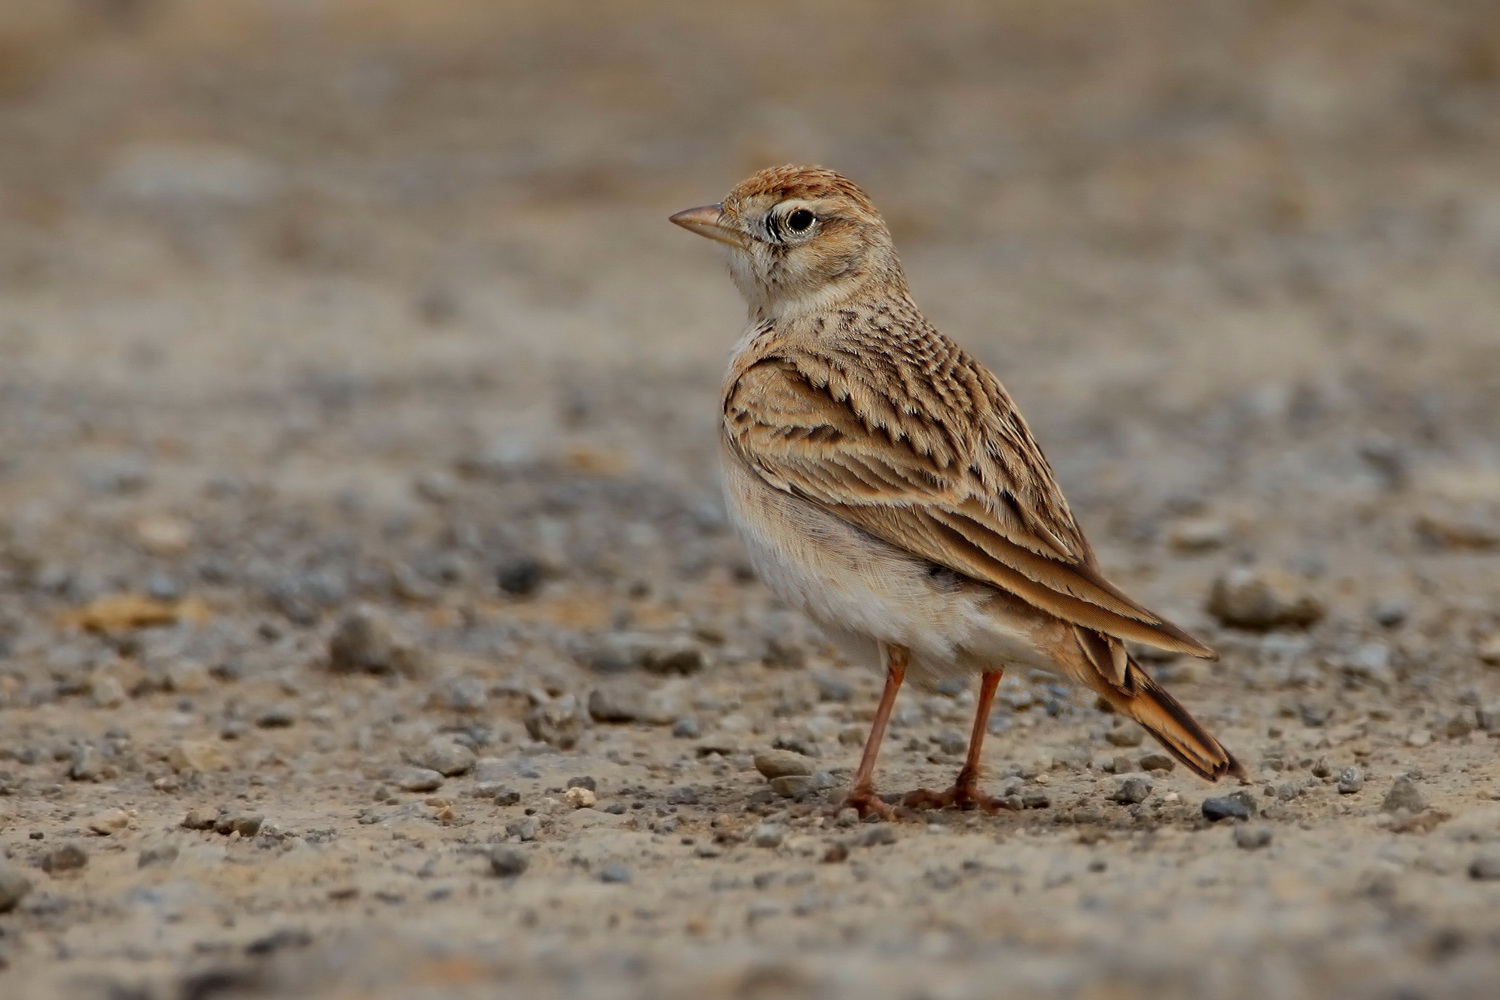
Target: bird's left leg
{"x":965,"y":793}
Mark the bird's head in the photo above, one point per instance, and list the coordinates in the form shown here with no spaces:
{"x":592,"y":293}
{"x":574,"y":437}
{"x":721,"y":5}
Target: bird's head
{"x":800,"y":239}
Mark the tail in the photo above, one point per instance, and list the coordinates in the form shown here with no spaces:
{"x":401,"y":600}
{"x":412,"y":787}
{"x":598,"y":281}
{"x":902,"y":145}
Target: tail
{"x":1145,"y":701}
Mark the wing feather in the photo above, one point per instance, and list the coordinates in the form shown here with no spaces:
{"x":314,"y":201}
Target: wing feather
{"x":951,"y":475}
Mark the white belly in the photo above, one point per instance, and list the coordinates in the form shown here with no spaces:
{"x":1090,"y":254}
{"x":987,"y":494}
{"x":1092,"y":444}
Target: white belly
{"x":864,"y":592}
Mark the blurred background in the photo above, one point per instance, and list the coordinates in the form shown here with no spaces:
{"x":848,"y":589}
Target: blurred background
{"x":307,"y":303}
{"x":1141,"y":214}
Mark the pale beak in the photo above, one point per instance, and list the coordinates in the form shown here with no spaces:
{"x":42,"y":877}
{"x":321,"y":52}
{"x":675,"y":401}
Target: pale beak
{"x":705,"y":222}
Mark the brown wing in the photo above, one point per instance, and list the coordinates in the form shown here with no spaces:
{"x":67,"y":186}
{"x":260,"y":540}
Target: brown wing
{"x":944,"y":469}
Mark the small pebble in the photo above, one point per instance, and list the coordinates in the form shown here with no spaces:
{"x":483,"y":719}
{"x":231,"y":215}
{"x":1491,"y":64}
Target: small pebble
{"x":1486,"y":867}
{"x":1252,"y":838}
{"x":109,"y":822}
{"x":524,"y":829}
{"x":1261,"y":600}
{"x":1237,"y":806}
{"x":364,"y":641}
{"x":768,"y":835}
{"x":520,"y":576}
{"x":201,"y":818}
{"x":64,"y":858}
{"x":580,"y":798}
{"x":877,"y":835}
{"x":1131,"y":791}
{"x":13,"y":886}
{"x":782,"y":763}
{"x":445,"y":755}
{"x":687,"y":728}
{"x":417,"y":779}
{"x":157,"y":857}
{"x":1404,"y":794}
{"x":1125,"y":735}
{"x":557,"y":722}
{"x":792,"y":786}
{"x":951,"y":743}
{"x":276,"y":717}
{"x":1157,"y":762}
{"x":244,"y":824}
{"x":89,"y":765}
{"x":1351,"y":780}
{"x":507,"y":862}
{"x":614,"y":874}
{"x":1390,"y":613}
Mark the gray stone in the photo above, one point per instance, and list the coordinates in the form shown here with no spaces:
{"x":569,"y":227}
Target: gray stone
{"x":687,"y":728}
{"x":244,"y":824}
{"x":1132,"y":790}
{"x":1159,"y":762}
{"x":683,"y":795}
{"x":1252,"y":838}
{"x":524,"y":829}
{"x":64,"y":858}
{"x":444,"y":755}
{"x":1390,"y":613}
{"x":108,"y":822}
{"x":1239,"y":806}
{"x":200,"y":818}
{"x":768,"y":835}
{"x":13,"y":886}
{"x":793,"y":786}
{"x":1199,"y":535}
{"x":950,"y":742}
{"x":417,"y":779}
{"x":555,"y":721}
{"x":1260,"y":600}
{"x":625,"y":699}
{"x":1454,"y":531}
{"x":520,"y":576}
{"x":277,"y":717}
{"x":782,"y":763}
{"x":89,"y":765}
{"x":162,"y":856}
{"x":1486,"y":867}
{"x":619,"y":652}
{"x":1351,"y":780}
{"x":1126,"y":734}
{"x":507,"y":862}
{"x":1404,"y":794}
{"x":364,"y":641}
{"x":615,"y":874}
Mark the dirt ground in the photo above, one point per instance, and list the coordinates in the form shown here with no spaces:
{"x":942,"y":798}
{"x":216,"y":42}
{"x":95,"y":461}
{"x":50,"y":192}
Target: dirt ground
{"x":369,"y":621}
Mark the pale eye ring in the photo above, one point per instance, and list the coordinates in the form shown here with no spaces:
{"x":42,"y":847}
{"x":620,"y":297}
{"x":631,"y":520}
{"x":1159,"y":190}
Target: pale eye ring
{"x":800,"y":221}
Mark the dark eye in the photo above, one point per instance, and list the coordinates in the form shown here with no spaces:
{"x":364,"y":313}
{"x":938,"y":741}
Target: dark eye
{"x":799,"y":221}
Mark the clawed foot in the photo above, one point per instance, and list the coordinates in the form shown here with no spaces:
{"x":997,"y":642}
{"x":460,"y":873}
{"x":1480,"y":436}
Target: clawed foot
{"x":867,"y":803}
{"x":960,"y":796}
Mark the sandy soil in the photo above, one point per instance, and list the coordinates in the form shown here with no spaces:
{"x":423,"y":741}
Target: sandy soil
{"x":369,"y":623}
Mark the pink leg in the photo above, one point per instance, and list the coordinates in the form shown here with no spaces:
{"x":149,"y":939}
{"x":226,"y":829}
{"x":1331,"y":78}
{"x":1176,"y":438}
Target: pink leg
{"x":862,"y":792}
{"x":965,"y":793}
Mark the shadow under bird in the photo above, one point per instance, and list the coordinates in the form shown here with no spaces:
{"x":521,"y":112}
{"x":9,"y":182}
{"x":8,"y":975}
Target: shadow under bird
{"x":884,"y":483}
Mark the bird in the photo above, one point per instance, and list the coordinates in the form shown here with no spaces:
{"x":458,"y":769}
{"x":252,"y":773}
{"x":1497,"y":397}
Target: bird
{"x":884,"y":482}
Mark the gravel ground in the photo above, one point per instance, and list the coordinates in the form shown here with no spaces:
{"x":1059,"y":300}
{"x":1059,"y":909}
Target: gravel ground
{"x":369,"y":621}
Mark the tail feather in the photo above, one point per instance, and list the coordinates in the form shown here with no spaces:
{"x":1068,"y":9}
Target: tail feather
{"x":1137,"y":695}
{"x":1179,"y":733}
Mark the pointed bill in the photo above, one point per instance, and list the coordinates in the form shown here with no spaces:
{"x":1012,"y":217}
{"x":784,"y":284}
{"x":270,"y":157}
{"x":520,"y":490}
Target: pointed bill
{"x":705,"y":222}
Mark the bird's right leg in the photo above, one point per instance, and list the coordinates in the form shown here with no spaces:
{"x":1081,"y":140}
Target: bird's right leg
{"x":862,"y":795}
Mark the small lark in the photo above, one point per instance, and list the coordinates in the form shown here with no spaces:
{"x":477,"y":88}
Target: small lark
{"x":885,"y":483}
